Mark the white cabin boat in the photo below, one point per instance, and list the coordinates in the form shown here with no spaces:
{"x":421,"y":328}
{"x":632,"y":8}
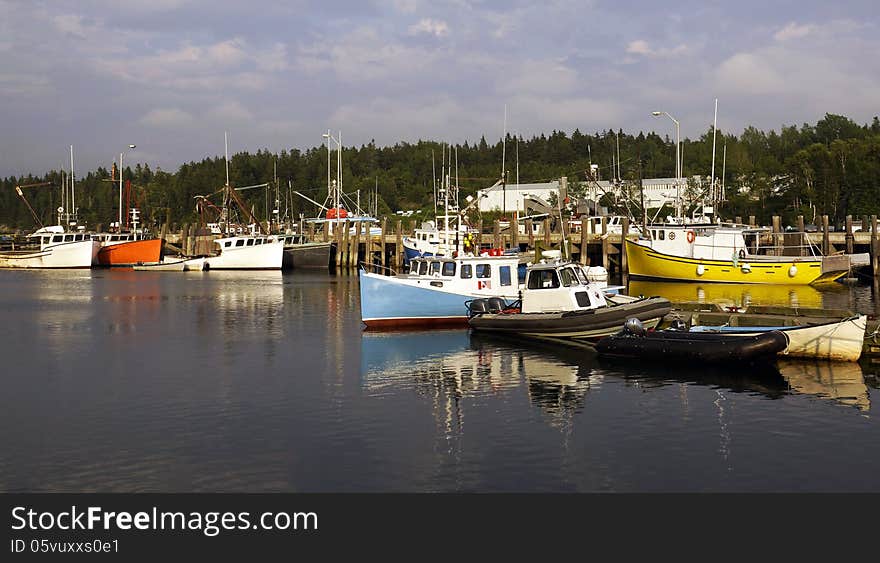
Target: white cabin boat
{"x":246,"y":252}
{"x":53,"y":247}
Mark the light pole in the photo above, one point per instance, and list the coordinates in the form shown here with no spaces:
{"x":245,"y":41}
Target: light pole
{"x":677,"y":158}
{"x":130,"y":147}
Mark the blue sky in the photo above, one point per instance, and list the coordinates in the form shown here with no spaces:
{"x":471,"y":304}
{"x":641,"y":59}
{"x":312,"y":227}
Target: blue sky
{"x":172,"y":75}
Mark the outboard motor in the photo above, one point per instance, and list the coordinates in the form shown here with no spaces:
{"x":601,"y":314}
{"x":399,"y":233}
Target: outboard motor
{"x":496,"y":304}
{"x":477,"y":307}
{"x":634,"y":327}
{"x":679,"y":325}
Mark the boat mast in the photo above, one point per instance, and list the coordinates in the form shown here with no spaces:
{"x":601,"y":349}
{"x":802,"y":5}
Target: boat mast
{"x":72,"y":191}
{"x":226,"y":195}
{"x":714,"y":132}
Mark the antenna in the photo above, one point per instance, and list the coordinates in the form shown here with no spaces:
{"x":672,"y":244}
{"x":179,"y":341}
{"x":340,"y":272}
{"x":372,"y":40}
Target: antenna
{"x":503,"y":154}
{"x":434,"y":182}
{"x":72,"y":190}
{"x":714,"y":132}
{"x":617,"y":134}
{"x":226,"y":149}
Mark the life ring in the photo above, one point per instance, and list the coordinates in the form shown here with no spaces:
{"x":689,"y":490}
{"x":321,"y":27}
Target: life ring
{"x":671,"y":235}
{"x":742,"y":254}
{"x":691,"y":236}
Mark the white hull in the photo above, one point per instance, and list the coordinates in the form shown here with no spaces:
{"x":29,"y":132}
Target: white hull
{"x":267,"y":256}
{"x":839,"y":341}
{"x":78,"y":254}
{"x":186,"y":265}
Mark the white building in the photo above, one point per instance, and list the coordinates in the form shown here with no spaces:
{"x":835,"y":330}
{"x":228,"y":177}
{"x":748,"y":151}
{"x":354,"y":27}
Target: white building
{"x":521,"y":197}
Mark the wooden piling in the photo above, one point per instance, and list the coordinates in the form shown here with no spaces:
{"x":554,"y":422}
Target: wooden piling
{"x":826,"y":244}
{"x":801,"y":229}
{"x":479,"y":237}
{"x":585,"y":259}
{"x":777,"y":228}
{"x":738,"y":220}
{"x":496,"y":232}
{"x":874,"y":266}
{"x":624,"y":262}
{"x":849,"y":234}
{"x":343,"y":263}
{"x":547,"y":232}
{"x":514,"y":234}
{"x":606,"y":259}
{"x":751,"y":220}
{"x":356,"y":247}
{"x":530,"y":230}
{"x":382,"y":244}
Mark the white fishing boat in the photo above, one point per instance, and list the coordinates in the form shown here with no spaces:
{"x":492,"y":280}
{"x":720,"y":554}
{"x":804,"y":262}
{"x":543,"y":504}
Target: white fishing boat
{"x":52,"y":247}
{"x":64,"y":245}
{"x":246,"y":252}
{"x":839,"y":340}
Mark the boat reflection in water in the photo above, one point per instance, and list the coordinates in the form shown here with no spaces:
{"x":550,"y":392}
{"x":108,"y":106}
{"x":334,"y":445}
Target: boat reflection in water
{"x":841,"y":382}
{"x":453,"y":364}
{"x":738,"y":295}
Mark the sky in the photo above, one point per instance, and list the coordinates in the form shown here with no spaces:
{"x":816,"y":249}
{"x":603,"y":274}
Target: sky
{"x":170,"y":76}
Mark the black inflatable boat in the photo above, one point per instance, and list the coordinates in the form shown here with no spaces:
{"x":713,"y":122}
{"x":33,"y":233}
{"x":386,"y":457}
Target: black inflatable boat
{"x":636,"y":343}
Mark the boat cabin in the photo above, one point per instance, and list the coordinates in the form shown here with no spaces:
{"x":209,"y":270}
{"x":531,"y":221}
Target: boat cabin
{"x":698,"y":241}
{"x":557,"y":287}
{"x":468,"y":273}
{"x":232,"y":243}
{"x":48,"y":236}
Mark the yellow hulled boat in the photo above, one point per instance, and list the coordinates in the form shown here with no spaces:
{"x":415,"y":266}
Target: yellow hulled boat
{"x":646,"y":262}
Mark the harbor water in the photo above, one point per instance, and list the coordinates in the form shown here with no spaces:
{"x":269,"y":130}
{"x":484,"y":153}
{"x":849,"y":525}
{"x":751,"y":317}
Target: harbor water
{"x":118,"y":381}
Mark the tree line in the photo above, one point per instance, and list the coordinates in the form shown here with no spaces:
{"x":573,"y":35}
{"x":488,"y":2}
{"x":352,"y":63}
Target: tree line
{"x":832,"y":167}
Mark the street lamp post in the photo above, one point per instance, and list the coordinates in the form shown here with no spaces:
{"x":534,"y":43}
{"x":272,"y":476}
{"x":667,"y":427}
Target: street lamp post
{"x":130,"y":147}
{"x":677,"y":158}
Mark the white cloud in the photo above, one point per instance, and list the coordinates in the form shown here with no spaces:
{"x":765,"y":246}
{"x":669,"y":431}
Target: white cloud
{"x":366,"y":54}
{"x":437,"y":28}
{"x":166,"y":118}
{"x":793,"y":31}
{"x":639,"y":47}
{"x":232,"y":111}
{"x":72,"y":25}
{"x":643,"y":48}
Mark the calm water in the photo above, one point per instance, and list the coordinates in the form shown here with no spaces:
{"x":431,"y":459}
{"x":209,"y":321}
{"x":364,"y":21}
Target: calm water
{"x":149,"y":381}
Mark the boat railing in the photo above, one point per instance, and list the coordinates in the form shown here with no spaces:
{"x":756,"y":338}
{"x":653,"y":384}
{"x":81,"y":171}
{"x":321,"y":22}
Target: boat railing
{"x":377,"y":268}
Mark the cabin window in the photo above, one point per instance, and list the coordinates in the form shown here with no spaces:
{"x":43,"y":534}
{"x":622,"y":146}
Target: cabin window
{"x":46,"y":240}
{"x":448,"y":268}
{"x":68,"y":238}
{"x":504,"y":273}
{"x":654,"y":234}
{"x":239,"y":242}
{"x":250,"y":242}
{"x":467,"y":271}
{"x":227,"y":244}
{"x":79,"y":237}
{"x":582,"y":276}
{"x":259,"y":241}
{"x":423,"y":268}
{"x":435,"y":268}
{"x":543,"y":279}
{"x":484,"y":271}
{"x":662,"y":234}
{"x":568,"y":277}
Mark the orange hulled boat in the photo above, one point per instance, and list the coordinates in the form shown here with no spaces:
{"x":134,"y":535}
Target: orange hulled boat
{"x":128,"y":248}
